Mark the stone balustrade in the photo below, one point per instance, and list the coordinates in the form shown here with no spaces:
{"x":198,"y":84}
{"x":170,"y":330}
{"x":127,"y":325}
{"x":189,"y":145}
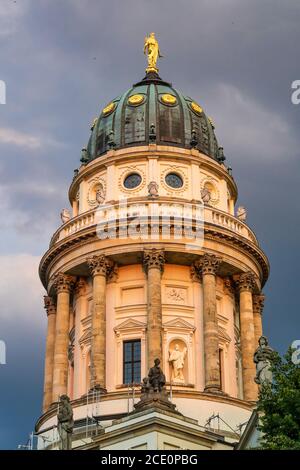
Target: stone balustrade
{"x":147,"y":209}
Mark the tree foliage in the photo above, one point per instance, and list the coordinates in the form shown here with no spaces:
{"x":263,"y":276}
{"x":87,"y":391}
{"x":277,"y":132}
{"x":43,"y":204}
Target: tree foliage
{"x":279,"y":406}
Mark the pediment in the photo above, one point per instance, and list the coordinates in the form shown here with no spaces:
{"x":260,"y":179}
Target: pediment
{"x":223,"y":335}
{"x":179,"y":323}
{"x":129,"y":325}
{"x":86,"y":337}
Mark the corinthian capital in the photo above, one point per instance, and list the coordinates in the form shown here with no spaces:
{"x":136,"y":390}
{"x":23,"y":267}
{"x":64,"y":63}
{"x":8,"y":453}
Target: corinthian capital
{"x":49,"y":305}
{"x":100,"y":265}
{"x":207,"y":264}
{"x":153,"y":259}
{"x":258,"y":303}
{"x":63,"y":282}
{"x":246,"y":281}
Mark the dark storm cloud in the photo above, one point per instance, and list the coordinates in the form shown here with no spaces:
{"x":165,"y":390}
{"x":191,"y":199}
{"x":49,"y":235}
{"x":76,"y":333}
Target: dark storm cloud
{"x":63,"y":60}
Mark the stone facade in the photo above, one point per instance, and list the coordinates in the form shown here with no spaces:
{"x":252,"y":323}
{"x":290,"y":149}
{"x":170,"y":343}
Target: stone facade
{"x":163,"y":269}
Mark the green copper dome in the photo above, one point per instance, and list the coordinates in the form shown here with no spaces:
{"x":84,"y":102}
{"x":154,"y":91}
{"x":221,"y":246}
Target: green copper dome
{"x":152,"y":111}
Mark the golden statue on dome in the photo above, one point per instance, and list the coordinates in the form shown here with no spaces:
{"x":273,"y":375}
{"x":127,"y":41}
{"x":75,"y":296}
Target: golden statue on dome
{"x":151,"y":47}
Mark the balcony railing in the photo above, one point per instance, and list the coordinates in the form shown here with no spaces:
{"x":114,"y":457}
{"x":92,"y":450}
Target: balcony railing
{"x":147,"y":212}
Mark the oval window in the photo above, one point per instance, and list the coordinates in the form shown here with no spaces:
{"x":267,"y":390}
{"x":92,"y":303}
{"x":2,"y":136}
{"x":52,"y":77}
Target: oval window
{"x":174,"y":180}
{"x":132,"y":181}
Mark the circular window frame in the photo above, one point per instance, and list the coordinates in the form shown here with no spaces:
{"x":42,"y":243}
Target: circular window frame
{"x":132,"y":172}
{"x":179,"y":176}
{"x":215,"y":195}
{"x":91,"y":198}
{"x":183,"y":175}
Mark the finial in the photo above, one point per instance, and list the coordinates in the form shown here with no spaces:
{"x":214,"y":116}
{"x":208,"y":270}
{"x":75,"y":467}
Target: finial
{"x":151,"y":47}
{"x":152,"y":133}
{"x":194,"y":140}
{"x":84,"y":156}
{"x":94,"y":123}
{"x":111,"y":141}
{"x":221,"y":156}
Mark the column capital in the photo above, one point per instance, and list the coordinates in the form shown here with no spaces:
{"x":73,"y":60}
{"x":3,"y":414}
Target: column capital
{"x":246,"y":282}
{"x":100,"y":265}
{"x":49,"y":305}
{"x":63,"y":282}
{"x":207,"y":264}
{"x":258,"y":303}
{"x":153,"y":258}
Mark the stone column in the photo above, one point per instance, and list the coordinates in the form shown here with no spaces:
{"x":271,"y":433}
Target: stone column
{"x":49,"y":354}
{"x":63,"y":285}
{"x":153,"y":262}
{"x":101,"y":268}
{"x":207,"y":267}
{"x":258,"y":305}
{"x":246,"y":284}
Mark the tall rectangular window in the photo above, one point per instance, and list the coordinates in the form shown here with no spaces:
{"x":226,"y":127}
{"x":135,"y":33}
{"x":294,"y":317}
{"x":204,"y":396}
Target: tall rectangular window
{"x":132,"y":362}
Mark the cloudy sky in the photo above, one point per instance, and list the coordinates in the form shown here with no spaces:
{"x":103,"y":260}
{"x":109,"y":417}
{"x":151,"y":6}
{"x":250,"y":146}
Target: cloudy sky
{"x":62,"y":61}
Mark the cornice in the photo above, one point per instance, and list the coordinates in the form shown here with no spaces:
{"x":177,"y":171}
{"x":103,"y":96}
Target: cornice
{"x":119,"y":395}
{"x":211,"y":232}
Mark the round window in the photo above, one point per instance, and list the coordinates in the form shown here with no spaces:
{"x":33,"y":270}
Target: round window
{"x":174,"y":180}
{"x":132,"y":181}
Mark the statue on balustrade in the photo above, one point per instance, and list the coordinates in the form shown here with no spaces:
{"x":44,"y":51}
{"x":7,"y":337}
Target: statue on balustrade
{"x":263,"y":360}
{"x":153,"y":391}
{"x":65,"y":423}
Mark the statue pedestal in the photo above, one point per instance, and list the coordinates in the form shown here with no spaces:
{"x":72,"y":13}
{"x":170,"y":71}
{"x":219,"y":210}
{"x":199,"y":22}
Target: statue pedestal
{"x":155,"y":400}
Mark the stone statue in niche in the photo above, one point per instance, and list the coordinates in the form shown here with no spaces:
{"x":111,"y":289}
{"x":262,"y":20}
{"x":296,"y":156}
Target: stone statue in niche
{"x":65,"y":215}
{"x":241,"y":213}
{"x":100,"y":195}
{"x":65,"y":423}
{"x":153,"y":189}
{"x":176,"y":359}
{"x":205,"y":195}
{"x":263,"y":358}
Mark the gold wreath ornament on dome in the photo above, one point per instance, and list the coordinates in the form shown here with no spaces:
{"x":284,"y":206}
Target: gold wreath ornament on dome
{"x":135,"y":99}
{"x":196,"y":107}
{"x":169,"y":99}
{"x":108,"y":109}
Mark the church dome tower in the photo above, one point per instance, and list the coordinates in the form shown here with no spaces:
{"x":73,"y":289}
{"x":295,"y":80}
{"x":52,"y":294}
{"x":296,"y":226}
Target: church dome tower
{"x":153,"y":261}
